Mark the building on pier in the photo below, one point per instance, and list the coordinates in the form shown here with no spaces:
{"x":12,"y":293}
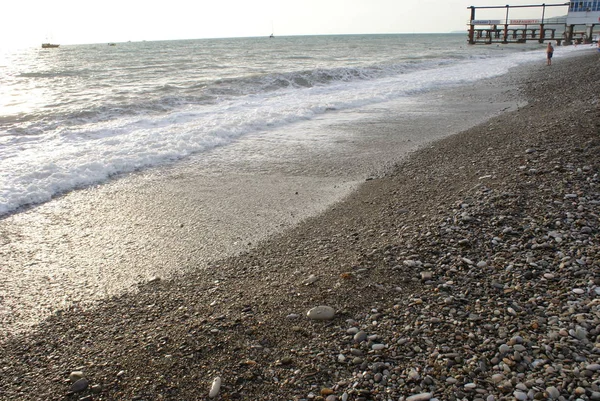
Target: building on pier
{"x":579,"y":26}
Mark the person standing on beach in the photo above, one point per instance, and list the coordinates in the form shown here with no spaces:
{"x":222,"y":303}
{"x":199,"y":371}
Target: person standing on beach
{"x":549,"y":53}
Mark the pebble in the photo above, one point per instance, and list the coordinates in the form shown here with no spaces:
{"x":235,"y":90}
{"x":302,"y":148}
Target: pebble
{"x":426,"y":275}
{"x":360,"y":336}
{"x":76,"y":375}
{"x":497,"y":378}
{"x":420,"y":397}
{"x":311,"y":279}
{"x":520,"y":396}
{"x":79,"y":385}
{"x":326,"y":391}
{"x":504,"y":349}
{"x":321,"y":313}
{"x":215,"y":388}
{"x":553,"y":392}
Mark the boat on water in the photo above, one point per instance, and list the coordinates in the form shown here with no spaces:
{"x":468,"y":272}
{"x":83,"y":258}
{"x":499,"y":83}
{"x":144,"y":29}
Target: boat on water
{"x":49,"y":45}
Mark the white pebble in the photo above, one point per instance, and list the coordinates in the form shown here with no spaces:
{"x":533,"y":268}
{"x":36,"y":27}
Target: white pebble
{"x":215,"y":387}
{"x":420,"y":397}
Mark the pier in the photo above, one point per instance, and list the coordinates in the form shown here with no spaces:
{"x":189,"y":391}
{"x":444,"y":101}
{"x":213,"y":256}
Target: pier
{"x":577,"y":27}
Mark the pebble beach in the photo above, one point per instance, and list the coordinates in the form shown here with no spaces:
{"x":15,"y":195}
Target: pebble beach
{"x":469,"y":271}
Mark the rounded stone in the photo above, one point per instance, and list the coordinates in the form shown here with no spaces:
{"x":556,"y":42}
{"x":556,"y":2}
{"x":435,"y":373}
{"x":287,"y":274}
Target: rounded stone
{"x":504,"y":349}
{"x":76,"y":375}
{"x":321,"y":312}
{"x":360,"y":336}
{"x":520,"y":396}
{"x":593,"y":367}
{"x":215,"y":388}
{"x":79,"y":385}
{"x":553,"y":392}
{"x":497,"y":378}
{"x":420,"y":397}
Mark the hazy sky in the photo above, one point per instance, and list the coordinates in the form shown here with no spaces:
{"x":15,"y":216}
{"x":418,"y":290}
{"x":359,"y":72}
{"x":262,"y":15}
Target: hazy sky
{"x":30,"y":22}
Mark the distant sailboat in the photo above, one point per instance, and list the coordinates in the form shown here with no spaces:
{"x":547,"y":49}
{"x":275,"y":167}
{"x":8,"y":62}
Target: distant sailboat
{"x":272,"y":35}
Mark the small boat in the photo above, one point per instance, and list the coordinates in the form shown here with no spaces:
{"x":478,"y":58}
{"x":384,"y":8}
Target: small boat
{"x":49,"y":45}
{"x":112,"y":44}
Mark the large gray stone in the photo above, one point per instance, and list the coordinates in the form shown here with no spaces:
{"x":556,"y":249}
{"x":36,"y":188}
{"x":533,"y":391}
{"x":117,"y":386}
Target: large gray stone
{"x":321,"y":312}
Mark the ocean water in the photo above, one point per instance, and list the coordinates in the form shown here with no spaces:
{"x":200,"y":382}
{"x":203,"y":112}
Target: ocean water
{"x":80,"y":115}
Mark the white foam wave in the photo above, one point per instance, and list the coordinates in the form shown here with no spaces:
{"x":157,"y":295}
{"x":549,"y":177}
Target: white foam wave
{"x":35,"y":168}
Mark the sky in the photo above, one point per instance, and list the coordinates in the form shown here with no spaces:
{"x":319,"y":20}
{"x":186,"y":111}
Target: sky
{"x":31,"y":22}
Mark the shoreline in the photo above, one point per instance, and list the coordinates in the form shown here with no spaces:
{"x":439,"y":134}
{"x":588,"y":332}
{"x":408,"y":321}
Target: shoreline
{"x":453,"y":266}
{"x":106,"y":240}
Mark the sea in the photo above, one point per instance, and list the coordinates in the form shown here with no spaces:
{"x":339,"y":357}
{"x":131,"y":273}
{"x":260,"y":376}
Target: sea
{"x":83,"y":115}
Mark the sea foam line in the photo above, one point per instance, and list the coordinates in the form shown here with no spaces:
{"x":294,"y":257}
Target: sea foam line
{"x":75,"y":157}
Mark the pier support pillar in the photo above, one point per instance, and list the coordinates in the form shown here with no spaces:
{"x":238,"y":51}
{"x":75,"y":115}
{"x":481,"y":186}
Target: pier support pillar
{"x":472,"y":27}
{"x":589,"y":29}
{"x":569,"y":33}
